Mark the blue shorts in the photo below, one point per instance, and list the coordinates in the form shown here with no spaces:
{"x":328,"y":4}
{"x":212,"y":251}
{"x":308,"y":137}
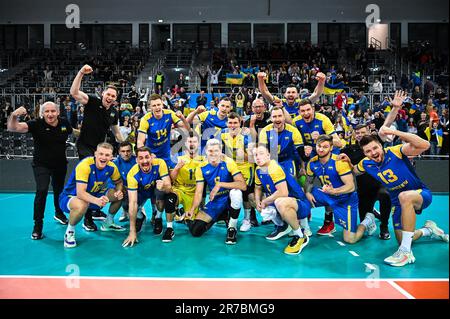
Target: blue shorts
{"x":216,"y":207}
{"x":64,"y":201}
{"x":396,"y":210}
{"x":345,"y":208}
{"x":288,"y":167}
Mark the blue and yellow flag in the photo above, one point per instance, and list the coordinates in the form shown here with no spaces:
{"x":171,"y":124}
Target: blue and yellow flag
{"x":332,"y":89}
{"x":439,"y":135}
{"x":234,"y":79}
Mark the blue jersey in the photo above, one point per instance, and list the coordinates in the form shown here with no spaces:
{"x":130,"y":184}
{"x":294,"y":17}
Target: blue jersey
{"x":395,"y":172}
{"x":87,"y":173}
{"x":210,"y":175}
{"x":292,"y":109}
{"x":158,"y":132}
{"x":269,"y":177}
{"x":143,"y":182}
{"x":329,"y":173}
{"x":321,"y":124}
{"x":211,"y":126}
{"x":124,"y":167}
{"x":284,"y":144}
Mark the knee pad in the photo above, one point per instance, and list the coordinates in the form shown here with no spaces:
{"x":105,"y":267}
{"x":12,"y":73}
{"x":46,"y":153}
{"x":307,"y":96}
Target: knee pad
{"x":236,"y":199}
{"x":170,"y":202}
{"x":198,"y":228}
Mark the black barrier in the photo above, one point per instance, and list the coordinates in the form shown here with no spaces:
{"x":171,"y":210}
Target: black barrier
{"x":17,"y":175}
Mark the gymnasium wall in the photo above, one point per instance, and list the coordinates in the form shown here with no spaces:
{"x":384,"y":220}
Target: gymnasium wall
{"x":17,"y":175}
{"x":116,"y":11}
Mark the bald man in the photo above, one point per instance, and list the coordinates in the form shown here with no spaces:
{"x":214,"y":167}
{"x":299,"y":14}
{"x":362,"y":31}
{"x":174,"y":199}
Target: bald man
{"x":50,"y":133}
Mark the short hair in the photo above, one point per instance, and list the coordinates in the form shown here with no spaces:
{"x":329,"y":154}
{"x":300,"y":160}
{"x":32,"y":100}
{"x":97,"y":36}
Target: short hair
{"x":360,"y":126}
{"x":193,"y":134}
{"x":368,"y":139}
{"x":324,"y":138}
{"x":112,"y":87}
{"x":291,"y":86}
{"x":225,"y":98}
{"x":213,"y":142}
{"x":42,"y":108}
{"x":305,"y":102}
{"x":143,"y":149}
{"x":276,"y":108}
{"x":234,"y":115}
{"x":155,"y":97}
{"x":125,"y":144}
{"x":105,"y":145}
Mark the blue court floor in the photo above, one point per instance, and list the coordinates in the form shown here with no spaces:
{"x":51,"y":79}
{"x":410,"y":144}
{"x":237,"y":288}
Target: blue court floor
{"x":101,"y":254}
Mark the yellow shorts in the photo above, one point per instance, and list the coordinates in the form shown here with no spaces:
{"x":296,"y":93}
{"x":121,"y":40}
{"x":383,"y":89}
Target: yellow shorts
{"x":186,"y":200}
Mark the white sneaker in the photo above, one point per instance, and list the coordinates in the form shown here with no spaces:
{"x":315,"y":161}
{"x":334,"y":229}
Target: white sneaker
{"x":112,"y":227}
{"x":436,"y":232}
{"x":372,"y":227}
{"x":69,"y":240}
{"x":400,"y":258}
{"x":306,"y":232}
{"x":124,"y":216}
{"x":246,"y":225}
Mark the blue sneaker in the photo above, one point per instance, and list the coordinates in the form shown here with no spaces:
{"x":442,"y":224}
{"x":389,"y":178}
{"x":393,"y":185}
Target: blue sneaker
{"x":279,"y":232}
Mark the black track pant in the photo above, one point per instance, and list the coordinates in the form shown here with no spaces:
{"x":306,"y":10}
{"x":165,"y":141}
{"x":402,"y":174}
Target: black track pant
{"x":367,"y":201}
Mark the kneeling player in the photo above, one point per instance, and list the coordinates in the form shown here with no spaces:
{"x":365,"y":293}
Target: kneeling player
{"x":226,"y":183}
{"x":87,"y":188}
{"x":284,"y":198}
{"x":148,"y":178}
{"x":338,"y":190}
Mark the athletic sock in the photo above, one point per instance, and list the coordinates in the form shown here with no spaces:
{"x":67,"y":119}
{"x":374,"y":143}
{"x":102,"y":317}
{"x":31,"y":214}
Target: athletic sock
{"x":70,"y":228}
{"x":158,"y":214}
{"x":407,"y":238}
{"x":366,"y":221}
{"x":426,"y":232}
{"x":298,"y":232}
{"x":304,"y":223}
{"x":247,"y":213}
{"x":232,"y":222}
{"x":169,"y":224}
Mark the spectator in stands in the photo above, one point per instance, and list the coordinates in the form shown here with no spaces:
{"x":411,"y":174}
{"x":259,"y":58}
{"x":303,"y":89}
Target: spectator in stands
{"x":441,"y":99}
{"x":133,"y":97}
{"x":48,"y":74}
{"x":214,"y":78}
{"x":428,"y":87}
{"x":125,"y":129}
{"x":159,"y":79}
{"x":362,"y":104}
{"x":431,"y":111}
{"x":417,"y":94}
{"x":201,"y":99}
{"x":341,"y":100}
{"x":239,"y":102}
{"x":411,"y":126}
{"x":203,"y":75}
{"x":181,"y":82}
{"x":377,"y":88}
{"x":137,"y":113}
{"x":404,"y":83}
{"x":433,"y":135}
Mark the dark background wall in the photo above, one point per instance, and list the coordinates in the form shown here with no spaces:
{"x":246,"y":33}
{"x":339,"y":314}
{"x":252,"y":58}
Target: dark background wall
{"x":17,"y":175}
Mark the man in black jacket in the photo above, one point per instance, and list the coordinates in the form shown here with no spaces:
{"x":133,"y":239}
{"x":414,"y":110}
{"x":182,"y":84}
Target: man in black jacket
{"x":369,"y":190}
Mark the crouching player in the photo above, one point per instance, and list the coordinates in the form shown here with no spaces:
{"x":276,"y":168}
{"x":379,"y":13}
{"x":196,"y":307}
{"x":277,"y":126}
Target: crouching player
{"x":285,"y":201}
{"x":226,"y":184}
{"x":87,"y":187}
{"x":338,"y":190}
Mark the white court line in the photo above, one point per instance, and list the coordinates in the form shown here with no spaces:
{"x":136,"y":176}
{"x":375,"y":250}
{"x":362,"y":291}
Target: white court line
{"x":340,"y":243}
{"x":353,"y":253}
{"x":223,"y":279}
{"x":14,"y":196}
{"x":400,"y":289}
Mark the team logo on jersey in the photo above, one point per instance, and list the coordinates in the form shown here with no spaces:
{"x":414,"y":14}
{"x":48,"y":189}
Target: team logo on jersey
{"x":167,"y":120}
{"x":112,"y":114}
{"x":63,"y":129}
{"x":316,"y":126}
{"x":286,"y":138}
{"x":330,"y":168}
{"x":107,"y":173}
{"x":207,"y":172}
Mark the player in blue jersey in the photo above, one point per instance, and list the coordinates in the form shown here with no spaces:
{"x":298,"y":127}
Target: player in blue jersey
{"x":124,"y":162}
{"x":87,"y":187}
{"x":147,"y":179}
{"x":226,"y":183}
{"x":291,"y":101}
{"x":409,"y":196}
{"x":209,"y":124}
{"x":284,"y":200}
{"x":311,"y":125}
{"x":338,"y":190}
{"x":284,"y":142}
{"x":155,"y":128}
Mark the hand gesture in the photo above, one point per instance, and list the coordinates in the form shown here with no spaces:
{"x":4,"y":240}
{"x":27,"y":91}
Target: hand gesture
{"x":261,"y":75}
{"x":130,"y":240}
{"x":213,"y":192}
{"x":86,"y":69}
{"x":20,"y":111}
{"x":384,"y":130}
{"x":321,"y":77}
{"x":399,"y":97}
{"x":180,"y":164}
{"x":159,"y":185}
{"x":118,"y":195}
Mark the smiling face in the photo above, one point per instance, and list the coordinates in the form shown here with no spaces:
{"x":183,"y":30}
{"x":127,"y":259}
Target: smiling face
{"x":213,"y":154}
{"x":374,"y":151}
{"x":102,"y":156}
{"x":157,"y":108}
{"x":144,"y":160}
{"x":50,"y":113}
{"x":109,"y":96}
{"x":307,"y":112}
{"x":291,"y":95}
{"x":234,"y":124}
{"x":360,"y":133}
{"x":278,"y":119}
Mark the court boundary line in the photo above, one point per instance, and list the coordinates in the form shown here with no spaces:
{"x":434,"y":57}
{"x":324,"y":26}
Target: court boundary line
{"x":227,"y":279}
{"x":401,"y":290}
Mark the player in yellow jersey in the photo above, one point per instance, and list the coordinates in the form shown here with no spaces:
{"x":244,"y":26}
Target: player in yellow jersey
{"x":238,"y":146}
{"x":183,"y":175}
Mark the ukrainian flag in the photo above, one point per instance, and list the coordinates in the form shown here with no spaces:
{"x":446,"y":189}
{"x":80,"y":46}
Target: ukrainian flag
{"x":332,"y":89}
{"x":345,"y":122}
{"x":439,"y":135}
{"x":234,"y":79}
